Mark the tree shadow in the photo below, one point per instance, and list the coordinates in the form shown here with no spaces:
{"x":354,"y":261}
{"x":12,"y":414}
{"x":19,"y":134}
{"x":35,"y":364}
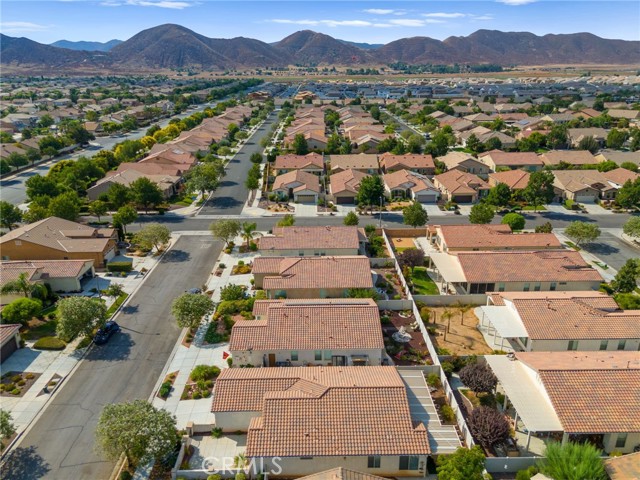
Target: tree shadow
{"x":600,"y":248}
{"x":25,"y":463}
{"x":117,"y":348}
{"x":176,"y":256}
{"x":129,"y":309}
{"x":566,"y":217}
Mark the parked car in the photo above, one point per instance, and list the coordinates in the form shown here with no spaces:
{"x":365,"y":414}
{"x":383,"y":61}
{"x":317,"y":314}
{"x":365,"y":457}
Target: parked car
{"x":195,"y":291}
{"x":104,"y":334}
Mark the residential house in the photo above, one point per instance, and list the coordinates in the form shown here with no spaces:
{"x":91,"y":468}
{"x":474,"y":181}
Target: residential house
{"x":309,"y":333}
{"x":588,"y":186}
{"x":405,"y":184}
{"x":625,"y":467}
{"x":620,"y":113}
{"x":460,"y":187}
{"x":619,"y":157}
{"x":514,"y":179}
{"x":499,"y":160}
{"x":363,"y":162}
{"x":574,"y":158}
{"x":577,"y":396}
{"x":57,"y":239}
{"x":297,"y":185}
{"x":558,"y":118}
{"x":341,"y":473}
{"x":9,"y":340}
{"x":307,"y":419}
{"x":422,"y":164}
{"x":465,"y":163}
{"x":561,"y":321}
{"x":311,"y":277}
{"x":310,"y":163}
{"x":576,"y":135}
{"x":168,"y":184}
{"x":312,"y":241}
{"x":519,"y":271}
{"x":461,"y":238}
{"x":344,"y":186}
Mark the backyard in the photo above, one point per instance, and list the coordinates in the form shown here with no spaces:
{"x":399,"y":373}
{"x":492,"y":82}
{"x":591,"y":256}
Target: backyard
{"x":422,"y":283}
{"x":411,"y":352}
{"x":463,"y":337}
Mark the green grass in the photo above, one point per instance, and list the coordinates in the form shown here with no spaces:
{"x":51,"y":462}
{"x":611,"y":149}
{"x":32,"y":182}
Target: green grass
{"x":49,"y":343}
{"x":574,"y":246}
{"x":47,"y":329}
{"x":531,"y":208}
{"x":422,"y":283}
{"x":112,"y":309}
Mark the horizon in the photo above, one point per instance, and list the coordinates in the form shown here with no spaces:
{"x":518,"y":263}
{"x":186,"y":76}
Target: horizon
{"x":370,"y":22}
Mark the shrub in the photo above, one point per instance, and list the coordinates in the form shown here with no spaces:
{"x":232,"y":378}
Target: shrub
{"x":526,"y":474}
{"x":15,"y":391}
{"x":222,"y":266}
{"x":443,"y":351}
{"x":447,"y":413}
{"x":241,"y":476}
{"x":213,"y":336}
{"x":488,"y":426}
{"x":16,"y":378}
{"x":165,"y":389}
{"x":29,"y":376}
{"x":49,"y":343}
{"x":230,"y":362}
{"x":514,"y":220}
{"x":22,"y":383}
{"x":215,"y":476}
{"x":232,"y":292}
{"x":119,"y":266}
{"x":478,"y":377}
{"x":433,"y":380}
{"x":204,"y":372}
{"x":447,"y":368}
{"x":196,"y":395}
{"x":125,"y":475}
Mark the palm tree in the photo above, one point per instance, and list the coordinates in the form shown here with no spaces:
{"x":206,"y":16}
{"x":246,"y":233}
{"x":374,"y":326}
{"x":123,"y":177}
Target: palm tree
{"x":24,"y":286}
{"x":248,"y":232}
{"x":446,"y":315}
{"x":463,"y":308}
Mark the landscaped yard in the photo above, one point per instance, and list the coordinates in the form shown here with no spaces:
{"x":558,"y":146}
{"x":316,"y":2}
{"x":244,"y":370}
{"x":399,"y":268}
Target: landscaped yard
{"x":422,"y":283}
{"x":39,"y":328}
{"x":400,"y":244}
{"x":463,"y":337}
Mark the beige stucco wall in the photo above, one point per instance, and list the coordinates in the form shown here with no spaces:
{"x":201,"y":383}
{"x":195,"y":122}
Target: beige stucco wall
{"x":31,"y":251}
{"x":309,"y":252}
{"x":310,"y":293}
{"x":234,"y":421}
{"x":305,"y":357}
{"x":583,"y":345}
{"x":610,"y":439}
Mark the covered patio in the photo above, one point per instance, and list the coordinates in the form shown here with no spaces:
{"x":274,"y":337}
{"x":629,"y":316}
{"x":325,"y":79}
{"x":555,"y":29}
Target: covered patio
{"x":533,"y":416}
{"x":501,"y":328}
{"x":448,"y":272}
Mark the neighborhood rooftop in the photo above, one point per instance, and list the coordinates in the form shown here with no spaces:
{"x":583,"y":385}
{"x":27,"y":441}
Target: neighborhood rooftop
{"x":335,"y":237}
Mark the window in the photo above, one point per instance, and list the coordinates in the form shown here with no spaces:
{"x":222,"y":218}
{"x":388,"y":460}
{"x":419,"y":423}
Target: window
{"x":622,"y":344}
{"x":621,"y":441}
{"x":327,"y":354}
{"x":408,"y":462}
{"x":501,"y":287}
{"x":604,"y":344}
{"x":573,"y":345}
{"x":317,"y":355}
{"x":18,"y":243}
{"x":527,"y":287}
{"x":294,"y":356}
{"x":306,"y":458}
{"x":373,"y":461}
{"x":301,"y":254}
{"x":552,"y":286}
{"x":536,"y":287}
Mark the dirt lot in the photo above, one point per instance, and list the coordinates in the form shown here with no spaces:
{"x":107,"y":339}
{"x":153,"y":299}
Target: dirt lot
{"x":462,"y":339}
{"x":402,"y":242}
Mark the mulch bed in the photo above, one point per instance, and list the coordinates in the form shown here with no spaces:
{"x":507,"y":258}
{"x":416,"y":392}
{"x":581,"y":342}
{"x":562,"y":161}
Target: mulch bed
{"x":171,"y":378}
{"x":12,"y":384}
{"x":187,"y":340}
{"x":51,"y":384}
{"x":415,"y":351}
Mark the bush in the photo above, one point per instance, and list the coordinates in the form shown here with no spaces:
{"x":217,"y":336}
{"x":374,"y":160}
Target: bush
{"x":488,"y":426}
{"x":514,"y":220}
{"x":16,"y":378}
{"x":49,"y":343}
{"x":196,"y":395}
{"x":478,"y":377}
{"x":215,"y":476}
{"x":232,"y":292}
{"x":526,"y":474}
{"x":204,"y":372}
{"x":15,"y":391}
{"x":447,"y":368}
{"x":447,"y":413}
{"x":125,"y":475}
{"x":241,"y":476}
{"x":433,"y":380}
{"x":230,"y":362}
{"x":165,"y":389}
{"x":119,"y":266}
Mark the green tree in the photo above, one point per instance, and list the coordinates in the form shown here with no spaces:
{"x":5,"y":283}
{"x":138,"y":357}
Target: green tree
{"x":153,"y":235}
{"x":98,"y":208}
{"x":232,"y":130}
{"x":4,"y":166}
{"x":371,"y":191}
{"x":7,"y":428}
{"x":225,"y":230}
{"x":557,"y":137}
{"x":514,"y":220}
{"x":256,"y":157}
{"x":119,"y":195}
{"x":204,"y":177}
{"x":415,"y":143}
{"x":114,"y":290}
{"x":629,"y":195}
{"x":146,"y":193}
{"x":138,"y":429}
{"x":33,"y":155}
{"x":546,"y":227}
{"x":440,"y":142}
{"x":582,"y":232}
{"x":80,"y":316}
{"x":189,"y":308}
{"x":23,"y":285}
{"x":21,"y":310}
{"x":606,"y":166}
{"x":287,"y":221}
{"x":572,"y":461}
{"x":124,"y":216}
{"x":632,"y":227}
{"x":351,"y":219}
{"x":499,"y":196}
{"x":589,"y":143}
{"x":474,"y":144}
{"x":45,"y":121}
{"x":415,"y":215}
{"x":300,"y":145}
{"x":38,"y":210}
{"x":539,"y":189}
{"x":616,"y":138}
{"x":626,"y":280}
{"x":632,"y":167}
{"x":9,"y":215}
{"x":17,"y":160}
{"x":66,"y":205}
{"x":481,"y":213}
{"x":232,"y":291}
{"x":248,"y":231}
{"x":463,"y":464}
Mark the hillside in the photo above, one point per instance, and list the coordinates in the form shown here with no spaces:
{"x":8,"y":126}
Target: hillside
{"x":308,"y":47}
{"x":88,"y":46}
{"x":25,"y":52}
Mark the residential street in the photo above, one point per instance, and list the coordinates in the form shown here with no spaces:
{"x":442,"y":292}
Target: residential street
{"x":231,"y":195}
{"x":60,"y":445}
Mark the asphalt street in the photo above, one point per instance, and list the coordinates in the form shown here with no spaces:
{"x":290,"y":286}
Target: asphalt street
{"x":232,"y":194}
{"x":612,"y":250}
{"x":60,"y":444}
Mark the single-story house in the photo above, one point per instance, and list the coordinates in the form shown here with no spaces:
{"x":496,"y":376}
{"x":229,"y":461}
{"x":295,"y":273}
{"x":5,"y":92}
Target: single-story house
{"x":575,"y":158}
{"x":309,"y":333}
{"x":578,"y":396}
{"x":9,"y":340}
{"x":519,"y":271}
{"x":623,"y":113}
{"x":561,"y":321}
{"x":311,"y":277}
{"x":312,"y":241}
{"x":460,"y":187}
{"x":461,"y":238}
{"x":344,"y":186}
{"x":416,"y":163}
{"x":363,"y":162}
{"x":497,"y":159}
{"x":168,"y":184}
{"x":514,"y":179}
{"x":310,"y":163}
{"x":625,"y":467}
{"x":619,"y":157}
{"x":465,"y":163}
{"x":588,"y":186}
{"x":55,"y":238}
{"x":307,"y":419}
{"x":60,"y":275}
{"x":297,"y":185}
{"x":405,"y":184}
{"x":576,"y":135}
{"x":341,"y":473}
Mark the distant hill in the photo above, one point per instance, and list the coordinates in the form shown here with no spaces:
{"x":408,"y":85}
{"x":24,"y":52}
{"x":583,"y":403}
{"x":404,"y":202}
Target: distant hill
{"x":174,"y":46}
{"x":364,"y":46}
{"x":88,"y":46}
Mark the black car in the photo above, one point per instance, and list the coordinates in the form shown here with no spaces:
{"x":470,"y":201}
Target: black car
{"x":195,"y":291}
{"x":103,"y":335}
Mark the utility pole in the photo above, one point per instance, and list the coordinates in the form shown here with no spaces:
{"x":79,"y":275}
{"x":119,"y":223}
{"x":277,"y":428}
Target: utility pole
{"x":381,"y":213}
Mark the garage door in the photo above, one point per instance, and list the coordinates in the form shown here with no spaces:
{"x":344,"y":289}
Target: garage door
{"x":345,"y":200}
{"x":463,"y":199}
{"x":585,"y":199}
{"x":306,"y":199}
{"x":426,"y":198}
{"x":7,"y":349}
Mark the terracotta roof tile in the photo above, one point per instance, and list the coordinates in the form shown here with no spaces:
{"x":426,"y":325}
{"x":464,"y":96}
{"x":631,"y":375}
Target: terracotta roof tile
{"x":307,"y":181}
{"x":388,"y":160}
{"x":493,"y":236}
{"x":312,"y":237}
{"x":341,"y":473}
{"x":515,"y":179}
{"x":346,"y":181}
{"x":291,"y":161}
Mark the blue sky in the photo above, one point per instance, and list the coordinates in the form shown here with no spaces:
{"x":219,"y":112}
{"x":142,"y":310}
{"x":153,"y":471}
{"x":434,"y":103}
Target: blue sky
{"x":360,"y":21}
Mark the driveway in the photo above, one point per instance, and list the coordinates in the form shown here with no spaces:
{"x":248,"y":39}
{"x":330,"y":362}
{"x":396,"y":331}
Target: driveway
{"x":612,"y":250}
{"x":60,"y":444}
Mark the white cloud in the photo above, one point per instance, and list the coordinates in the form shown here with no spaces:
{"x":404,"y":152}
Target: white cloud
{"x":379,"y":11}
{"x":395,"y":22}
{"x":516,"y":2}
{"x":172,"y":4}
{"x":484,"y":17}
{"x":408,"y":22}
{"x":445,"y":15}
{"x":20,"y":27}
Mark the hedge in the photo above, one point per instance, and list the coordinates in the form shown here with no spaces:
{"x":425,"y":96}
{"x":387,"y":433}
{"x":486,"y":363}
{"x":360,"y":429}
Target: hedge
{"x":119,"y":266}
{"x":49,"y":343}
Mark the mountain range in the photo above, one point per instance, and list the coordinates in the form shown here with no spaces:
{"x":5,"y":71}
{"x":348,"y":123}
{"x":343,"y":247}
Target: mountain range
{"x":173,"y":46}
{"x":88,"y":46}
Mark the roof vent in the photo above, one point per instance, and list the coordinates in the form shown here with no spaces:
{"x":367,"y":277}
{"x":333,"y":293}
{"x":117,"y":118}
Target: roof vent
{"x":511,"y":356}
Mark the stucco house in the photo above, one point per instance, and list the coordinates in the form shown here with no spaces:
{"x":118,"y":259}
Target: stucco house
{"x":406,"y":184}
{"x":465,"y":163}
{"x":344,"y":186}
{"x":309,"y":333}
{"x":363,"y":162}
{"x":413,"y":162}
{"x":297,"y":185}
{"x":575,"y":158}
{"x":312,"y":241}
{"x":310,"y":163}
{"x":461,"y":238}
{"x":9,"y":340}
{"x":461,"y":187}
{"x":514,"y":179}
{"x":497,"y":159}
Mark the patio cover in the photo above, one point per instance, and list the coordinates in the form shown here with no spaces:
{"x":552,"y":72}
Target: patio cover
{"x":449,"y":267}
{"x":504,"y":321}
{"x":527,"y":396}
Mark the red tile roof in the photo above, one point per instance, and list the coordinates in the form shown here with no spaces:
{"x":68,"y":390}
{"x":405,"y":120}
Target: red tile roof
{"x":494,"y":236}
{"x":319,"y":237}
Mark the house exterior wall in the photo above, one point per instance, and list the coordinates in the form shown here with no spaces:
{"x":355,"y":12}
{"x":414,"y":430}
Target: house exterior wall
{"x":630,"y":344}
{"x":610,"y":439}
{"x":31,"y":251}
{"x":309,"y":252}
{"x":544,"y":286}
{"x":234,"y":421}
{"x":305,"y":357}
{"x":308,"y":293}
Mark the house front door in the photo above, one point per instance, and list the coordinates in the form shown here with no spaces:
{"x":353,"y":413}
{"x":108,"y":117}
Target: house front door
{"x":272,"y":359}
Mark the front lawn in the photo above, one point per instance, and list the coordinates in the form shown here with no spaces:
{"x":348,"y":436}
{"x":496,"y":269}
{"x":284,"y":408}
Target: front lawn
{"x":422,"y":283}
{"x":44,"y":329}
{"x":112,"y":309}
{"x":531,"y":208}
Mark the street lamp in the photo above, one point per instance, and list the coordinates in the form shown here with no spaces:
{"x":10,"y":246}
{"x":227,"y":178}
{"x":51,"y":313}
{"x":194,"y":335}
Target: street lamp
{"x":381,"y":212}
